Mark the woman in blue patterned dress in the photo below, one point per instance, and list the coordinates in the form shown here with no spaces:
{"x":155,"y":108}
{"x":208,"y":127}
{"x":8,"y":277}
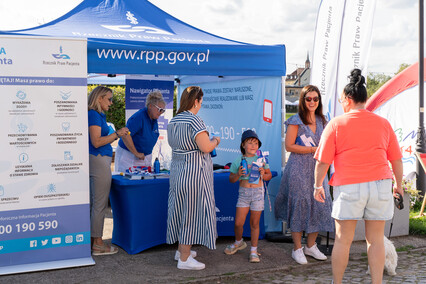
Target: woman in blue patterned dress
{"x":295,"y":202}
{"x":191,"y":206}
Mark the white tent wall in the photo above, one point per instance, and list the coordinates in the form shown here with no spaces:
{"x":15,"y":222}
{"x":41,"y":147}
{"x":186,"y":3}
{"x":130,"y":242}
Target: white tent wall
{"x":405,"y":122}
{"x":398,"y":101}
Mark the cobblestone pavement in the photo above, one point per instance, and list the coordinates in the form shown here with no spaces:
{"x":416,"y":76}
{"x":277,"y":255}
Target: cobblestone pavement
{"x":157,"y":265}
{"x":411,"y":269}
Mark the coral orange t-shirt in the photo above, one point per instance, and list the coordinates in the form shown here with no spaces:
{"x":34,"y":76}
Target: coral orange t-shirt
{"x":360,"y":144}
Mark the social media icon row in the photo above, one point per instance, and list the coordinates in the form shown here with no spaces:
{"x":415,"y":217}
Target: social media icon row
{"x":57,"y":240}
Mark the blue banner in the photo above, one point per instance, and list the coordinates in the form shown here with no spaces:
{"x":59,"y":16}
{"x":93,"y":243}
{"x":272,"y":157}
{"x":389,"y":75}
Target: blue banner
{"x":44,"y":234}
{"x":231,"y":107}
{"x":138,"y":89}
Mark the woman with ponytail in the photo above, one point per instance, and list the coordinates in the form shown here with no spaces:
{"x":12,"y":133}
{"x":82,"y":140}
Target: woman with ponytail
{"x":360,"y":144}
{"x":191,"y":218}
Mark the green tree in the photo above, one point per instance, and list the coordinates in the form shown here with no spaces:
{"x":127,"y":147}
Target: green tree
{"x":375,"y":81}
{"x":402,"y":67}
{"x":175,"y":90}
{"x":117,"y":111}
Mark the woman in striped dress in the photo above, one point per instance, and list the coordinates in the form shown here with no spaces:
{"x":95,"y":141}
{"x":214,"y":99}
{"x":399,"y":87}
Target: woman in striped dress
{"x":191,"y":208}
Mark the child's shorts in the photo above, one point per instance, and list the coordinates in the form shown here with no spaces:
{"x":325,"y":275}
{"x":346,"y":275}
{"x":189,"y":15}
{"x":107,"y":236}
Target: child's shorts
{"x":363,"y":201}
{"x":251,"y":197}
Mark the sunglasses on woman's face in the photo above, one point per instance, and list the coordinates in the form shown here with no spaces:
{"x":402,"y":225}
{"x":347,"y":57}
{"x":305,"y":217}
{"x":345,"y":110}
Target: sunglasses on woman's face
{"x":309,"y":99}
{"x":161,"y":110}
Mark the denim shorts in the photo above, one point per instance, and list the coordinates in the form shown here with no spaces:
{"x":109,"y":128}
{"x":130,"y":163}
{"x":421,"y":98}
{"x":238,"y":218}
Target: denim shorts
{"x":251,"y":197}
{"x":363,"y":201}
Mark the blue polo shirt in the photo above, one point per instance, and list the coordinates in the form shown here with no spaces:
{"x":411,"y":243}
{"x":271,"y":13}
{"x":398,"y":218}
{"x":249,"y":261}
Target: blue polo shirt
{"x":144,"y":131}
{"x":99,"y":119}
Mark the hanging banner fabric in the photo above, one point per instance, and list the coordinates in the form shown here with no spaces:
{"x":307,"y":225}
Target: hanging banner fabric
{"x":355,"y":43}
{"x":348,"y":25}
{"x":44,"y":167}
{"x":326,"y":51}
{"x":232,"y":106}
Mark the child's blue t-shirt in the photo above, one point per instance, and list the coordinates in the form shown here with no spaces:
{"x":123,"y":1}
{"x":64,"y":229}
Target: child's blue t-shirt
{"x":237,"y":163}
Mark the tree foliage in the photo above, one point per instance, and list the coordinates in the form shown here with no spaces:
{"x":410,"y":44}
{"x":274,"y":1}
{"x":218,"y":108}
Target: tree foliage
{"x":117,"y":111}
{"x":402,"y":67}
{"x":376,"y":80}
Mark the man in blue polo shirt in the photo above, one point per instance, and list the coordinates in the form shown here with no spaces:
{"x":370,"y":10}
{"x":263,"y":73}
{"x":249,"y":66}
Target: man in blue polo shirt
{"x":135,"y":149}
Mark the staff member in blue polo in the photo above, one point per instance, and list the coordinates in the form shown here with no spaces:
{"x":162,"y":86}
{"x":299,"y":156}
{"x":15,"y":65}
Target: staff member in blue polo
{"x":136,"y":149}
{"x":100,"y":156}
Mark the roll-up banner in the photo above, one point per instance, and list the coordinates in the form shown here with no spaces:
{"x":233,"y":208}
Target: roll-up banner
{"x":231,"y":106}
{"x":342,"y":42}
{"x":44,"y":167}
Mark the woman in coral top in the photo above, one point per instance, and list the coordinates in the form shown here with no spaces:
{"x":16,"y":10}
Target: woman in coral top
{"x":361,"y":145}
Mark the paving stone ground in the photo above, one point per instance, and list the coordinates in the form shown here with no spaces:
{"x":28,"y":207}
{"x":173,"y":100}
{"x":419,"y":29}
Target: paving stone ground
{"x":156,"y":265}
{"x":411,"y":269}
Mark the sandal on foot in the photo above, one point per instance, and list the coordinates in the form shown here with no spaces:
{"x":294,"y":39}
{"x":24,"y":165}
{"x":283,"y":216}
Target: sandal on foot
{"x":231,"y":249}
{"x":254,"y":257}
{"x":103,"y":249}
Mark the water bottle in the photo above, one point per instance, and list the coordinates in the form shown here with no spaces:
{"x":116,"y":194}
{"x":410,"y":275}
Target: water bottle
{"x":156,"y":166}
{"x":244,"y":165}
{"x":213,"y":153}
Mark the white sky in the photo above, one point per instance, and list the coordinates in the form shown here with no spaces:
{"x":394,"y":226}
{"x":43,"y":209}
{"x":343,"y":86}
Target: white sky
{"x":289,"y":22}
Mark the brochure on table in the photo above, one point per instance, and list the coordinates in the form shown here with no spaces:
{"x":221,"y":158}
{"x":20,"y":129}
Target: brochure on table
{"x":44,"y":168}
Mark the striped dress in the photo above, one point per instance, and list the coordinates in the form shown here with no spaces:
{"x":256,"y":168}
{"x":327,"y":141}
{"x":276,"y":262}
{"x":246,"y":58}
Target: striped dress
{"x":191,"y":206}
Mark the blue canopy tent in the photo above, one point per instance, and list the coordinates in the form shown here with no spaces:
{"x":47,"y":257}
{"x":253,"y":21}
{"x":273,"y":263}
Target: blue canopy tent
{"x":136,"y":37}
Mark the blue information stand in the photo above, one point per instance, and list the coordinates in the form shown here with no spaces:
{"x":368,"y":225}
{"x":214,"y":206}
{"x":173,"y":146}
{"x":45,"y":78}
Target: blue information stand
{"x":140,"y":211}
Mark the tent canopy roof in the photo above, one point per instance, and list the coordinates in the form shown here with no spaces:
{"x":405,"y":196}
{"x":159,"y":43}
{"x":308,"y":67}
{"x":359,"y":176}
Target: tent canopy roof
{"x":136,"y":37}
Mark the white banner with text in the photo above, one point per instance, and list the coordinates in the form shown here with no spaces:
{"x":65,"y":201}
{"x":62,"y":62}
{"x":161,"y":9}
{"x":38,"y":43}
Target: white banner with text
{"x":44,"y":167}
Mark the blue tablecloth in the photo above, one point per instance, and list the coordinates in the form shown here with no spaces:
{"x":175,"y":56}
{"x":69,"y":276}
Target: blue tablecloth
{"x":139,"y":209}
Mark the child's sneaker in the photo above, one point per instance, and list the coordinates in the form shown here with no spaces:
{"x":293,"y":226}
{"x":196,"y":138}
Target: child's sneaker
{"x":254,"y":257}
{"x":231,"y":249}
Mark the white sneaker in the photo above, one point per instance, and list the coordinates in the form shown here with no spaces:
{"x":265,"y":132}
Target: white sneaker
{"x":177,"y":254}
{"x":315,"y":252}
{"x":299,"y":256}
{"x":190,"y":264}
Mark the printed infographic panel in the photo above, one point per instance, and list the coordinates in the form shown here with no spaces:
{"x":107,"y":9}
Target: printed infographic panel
{"x":44,"y":167}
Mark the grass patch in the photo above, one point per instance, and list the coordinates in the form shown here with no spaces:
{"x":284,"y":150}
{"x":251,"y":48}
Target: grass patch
{"x":417,"y":224}
{"x":288,"y":114}
{"x":404,"y":248}
{"x":229,"y":273}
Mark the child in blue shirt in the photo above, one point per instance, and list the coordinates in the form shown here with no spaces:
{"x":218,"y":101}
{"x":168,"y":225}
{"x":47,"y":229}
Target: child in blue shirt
{"x":251,"y":195}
